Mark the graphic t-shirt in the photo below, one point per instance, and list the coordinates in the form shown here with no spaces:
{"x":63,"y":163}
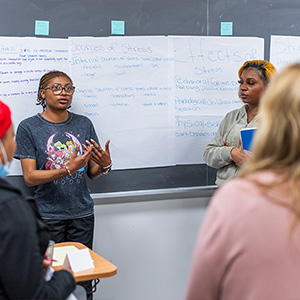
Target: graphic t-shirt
{"x":51,"y":145}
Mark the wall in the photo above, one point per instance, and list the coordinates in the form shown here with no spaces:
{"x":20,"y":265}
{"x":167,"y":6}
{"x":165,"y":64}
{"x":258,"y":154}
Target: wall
{"x":151,"y":243}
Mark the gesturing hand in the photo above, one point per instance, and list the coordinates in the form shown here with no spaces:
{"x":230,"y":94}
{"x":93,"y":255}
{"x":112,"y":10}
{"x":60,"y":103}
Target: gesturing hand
{"x":99,"y":156}
{"x":77,"y":162}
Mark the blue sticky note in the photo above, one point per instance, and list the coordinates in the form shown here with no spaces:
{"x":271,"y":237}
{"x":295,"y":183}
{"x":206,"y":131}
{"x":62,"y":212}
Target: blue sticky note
{"x":41,"y":27}
{"x":226,"y":28}
{"x":118,"y":27}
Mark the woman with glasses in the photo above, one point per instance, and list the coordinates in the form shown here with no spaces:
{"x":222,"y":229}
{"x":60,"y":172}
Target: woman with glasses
{"x":57,"y":148}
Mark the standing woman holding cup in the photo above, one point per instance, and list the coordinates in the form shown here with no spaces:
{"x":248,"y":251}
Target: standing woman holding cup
{"x":57,"y":149}
{"x":225,"y":152}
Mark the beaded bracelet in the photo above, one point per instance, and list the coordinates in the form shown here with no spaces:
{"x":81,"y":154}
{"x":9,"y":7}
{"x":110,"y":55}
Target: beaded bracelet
{"x":107,"y":167}
{"x":67,"y":168}
{"x":106,"y":171}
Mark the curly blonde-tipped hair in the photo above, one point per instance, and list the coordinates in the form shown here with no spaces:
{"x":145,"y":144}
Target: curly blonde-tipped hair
{"x":266,"y":69}
{"x":276,"y":144}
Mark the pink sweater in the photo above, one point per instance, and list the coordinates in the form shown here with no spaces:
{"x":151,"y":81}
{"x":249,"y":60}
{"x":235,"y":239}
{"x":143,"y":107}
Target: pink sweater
{"x":244,"y":250}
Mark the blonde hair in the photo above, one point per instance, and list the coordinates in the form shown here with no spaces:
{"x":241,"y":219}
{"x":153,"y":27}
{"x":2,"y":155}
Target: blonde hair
{"x":276,"y":145}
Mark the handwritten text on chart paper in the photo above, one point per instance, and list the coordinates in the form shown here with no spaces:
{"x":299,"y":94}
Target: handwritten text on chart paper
{"x":154,"y":93}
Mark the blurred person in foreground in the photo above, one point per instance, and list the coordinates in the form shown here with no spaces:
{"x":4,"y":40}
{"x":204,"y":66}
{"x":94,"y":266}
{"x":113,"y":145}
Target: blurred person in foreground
{"x":24,"y":236}
{"x":249,"y":243}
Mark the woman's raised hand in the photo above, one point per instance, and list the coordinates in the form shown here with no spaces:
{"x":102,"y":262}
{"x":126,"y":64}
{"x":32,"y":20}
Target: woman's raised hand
{"x":77,"y":162}
{"x":100,"y":156}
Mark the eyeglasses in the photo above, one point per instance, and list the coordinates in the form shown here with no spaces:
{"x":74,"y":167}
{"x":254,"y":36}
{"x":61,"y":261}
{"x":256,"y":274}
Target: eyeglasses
{"x":57,"y":89}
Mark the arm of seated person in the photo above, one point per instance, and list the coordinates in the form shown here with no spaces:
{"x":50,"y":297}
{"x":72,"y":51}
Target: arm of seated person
{"x":21,"y":263}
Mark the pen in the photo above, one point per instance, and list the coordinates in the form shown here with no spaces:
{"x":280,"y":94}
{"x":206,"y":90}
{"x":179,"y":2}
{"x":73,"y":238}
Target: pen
{"x":54,"y":260}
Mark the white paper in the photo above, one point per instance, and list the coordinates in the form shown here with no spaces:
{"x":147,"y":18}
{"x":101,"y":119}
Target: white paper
{"x":79,"y":260}
{"x":192,"y":134}
{"x":284,"y":50}
{"x":23,"y":61}
{"x":123,"y":86}
{"x":206,"y":88}
{"x":60,"y":254}
{"x":140,"y":92}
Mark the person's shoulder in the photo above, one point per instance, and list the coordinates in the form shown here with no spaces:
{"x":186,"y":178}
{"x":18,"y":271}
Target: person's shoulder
{"x":12,"y":201}
{"x":236,"y":193}
{"x":248,"y":190}
{"x":8,"y":191}
{"x":17,"y":217}
{"x":80,"y":117}
{"x":231,"y":116}
{"x":237,"y":184}
{"x":235,"y":112}
{"x":30,"y":120}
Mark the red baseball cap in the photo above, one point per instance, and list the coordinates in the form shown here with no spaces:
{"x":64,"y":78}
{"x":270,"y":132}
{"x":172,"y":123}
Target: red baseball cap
{"x":5,"y":119}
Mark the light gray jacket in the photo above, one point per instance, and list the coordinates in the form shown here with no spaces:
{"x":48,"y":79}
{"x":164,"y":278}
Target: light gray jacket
{"x":220,"y":157}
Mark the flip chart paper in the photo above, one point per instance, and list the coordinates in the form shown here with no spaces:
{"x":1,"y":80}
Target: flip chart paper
{"x":206,"y":88}
{"x":284,"y":50}
{"x":23,"y":61}
{"x":158,"y":99}
{"x":124,"y":86}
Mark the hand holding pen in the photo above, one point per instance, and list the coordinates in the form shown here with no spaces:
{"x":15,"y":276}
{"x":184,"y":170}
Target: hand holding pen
{"x":47,"y":262}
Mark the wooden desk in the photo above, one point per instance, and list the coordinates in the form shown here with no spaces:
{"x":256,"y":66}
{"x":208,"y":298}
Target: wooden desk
{"x":103,"y":268}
